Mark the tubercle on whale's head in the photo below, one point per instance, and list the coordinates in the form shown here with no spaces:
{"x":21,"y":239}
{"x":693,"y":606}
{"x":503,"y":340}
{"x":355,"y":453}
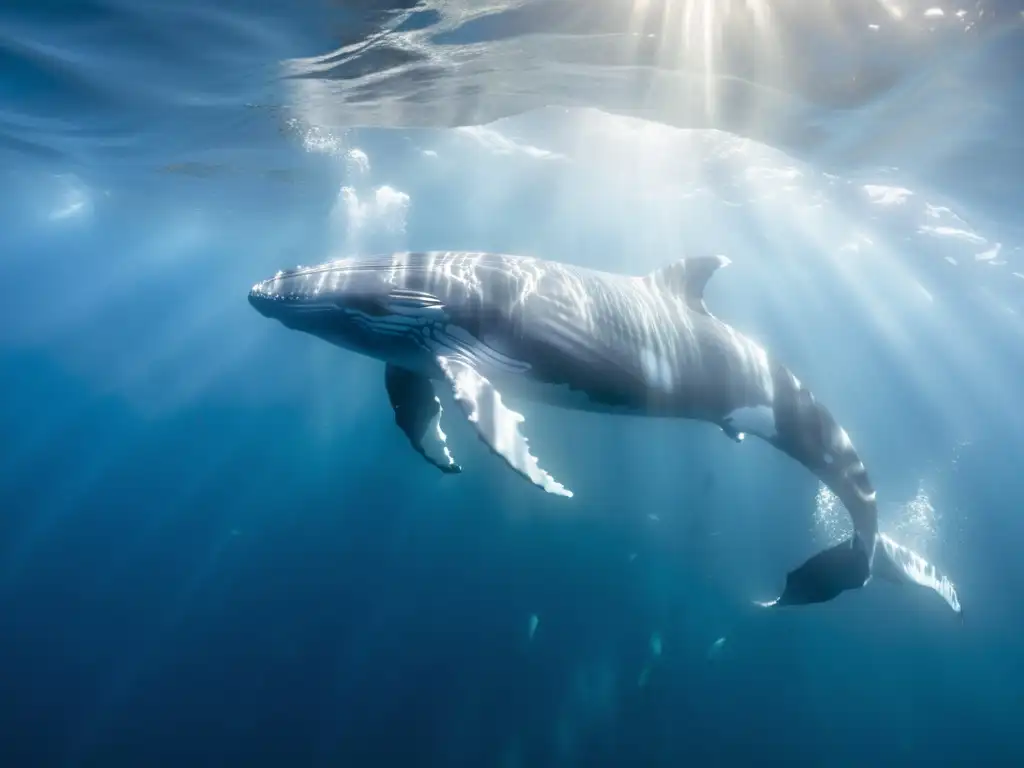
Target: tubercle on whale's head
{"x":293,"y":294}
{"x":361,"y":305}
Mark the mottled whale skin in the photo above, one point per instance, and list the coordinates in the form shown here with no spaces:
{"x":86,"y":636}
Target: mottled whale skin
{"x":491,"y":326}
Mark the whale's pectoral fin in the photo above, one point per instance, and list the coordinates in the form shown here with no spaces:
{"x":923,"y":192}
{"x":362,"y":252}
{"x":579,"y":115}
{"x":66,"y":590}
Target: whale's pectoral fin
{"x":898,"y":564}
{"x":826,"y":575}
{"x":418,"y":415}
{"x":497,"y":425}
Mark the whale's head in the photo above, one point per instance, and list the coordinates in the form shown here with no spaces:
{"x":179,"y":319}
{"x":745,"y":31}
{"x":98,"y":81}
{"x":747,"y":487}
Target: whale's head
{"x":363,"y":305}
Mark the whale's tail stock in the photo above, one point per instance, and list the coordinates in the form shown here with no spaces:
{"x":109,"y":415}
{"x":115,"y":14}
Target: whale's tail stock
{"x":847,"y":565}
{"x":810,"y":434}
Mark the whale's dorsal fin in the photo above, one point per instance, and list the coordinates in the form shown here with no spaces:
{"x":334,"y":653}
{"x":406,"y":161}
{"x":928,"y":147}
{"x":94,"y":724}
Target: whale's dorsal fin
{"x":688,"y":277}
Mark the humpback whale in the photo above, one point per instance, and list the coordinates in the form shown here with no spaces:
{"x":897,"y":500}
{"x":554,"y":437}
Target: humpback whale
{"x":490,"y":326}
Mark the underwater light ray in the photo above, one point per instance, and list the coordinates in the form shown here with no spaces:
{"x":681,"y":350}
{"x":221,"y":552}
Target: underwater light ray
{"x":61,"y":497}
{"x":181,"y":364}
{"x":792,"y":290}
{"x":690,"y":36}
{"x":181,"y":497}
{"x":174,"y":334}
{"x":130,"y":670}
{"x":116,"y":278}
{"x":905,"y":333}
{"x":217,"y":368}
{"x":496,"y":178}
{"x":169,"y":257}
{"x":999,"y":393}
{"x":880,"y":272}
{"x":935,"y":348}
{"x":192,"y":318}
{"x":38,"y":436}
{"x":401,"y":542}
{"x":795,"y":289}
{"x":900,"y":331}
{"x":328,"y":408}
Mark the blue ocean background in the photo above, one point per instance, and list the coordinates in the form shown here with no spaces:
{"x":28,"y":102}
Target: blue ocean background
{"x":217,"y":550}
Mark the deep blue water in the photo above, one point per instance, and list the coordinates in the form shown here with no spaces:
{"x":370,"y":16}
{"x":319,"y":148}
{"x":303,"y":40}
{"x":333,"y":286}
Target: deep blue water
{"x":215,"y":547}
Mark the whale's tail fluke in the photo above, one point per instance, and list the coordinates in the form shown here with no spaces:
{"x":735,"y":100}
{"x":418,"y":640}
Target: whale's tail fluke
{"x":847,"y":566}
{"x":826,"y":575}
{"x":900,"y":565}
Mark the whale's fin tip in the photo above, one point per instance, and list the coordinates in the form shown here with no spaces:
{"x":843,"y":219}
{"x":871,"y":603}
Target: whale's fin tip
{"x":689,"y":277}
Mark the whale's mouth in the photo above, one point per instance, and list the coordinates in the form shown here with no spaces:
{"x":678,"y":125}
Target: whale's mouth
{"x":269,"y":300}
{"x":286,"y":291}
{"x":265,"y":300}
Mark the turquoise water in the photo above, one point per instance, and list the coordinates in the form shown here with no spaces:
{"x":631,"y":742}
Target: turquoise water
{"x":215,"y":547}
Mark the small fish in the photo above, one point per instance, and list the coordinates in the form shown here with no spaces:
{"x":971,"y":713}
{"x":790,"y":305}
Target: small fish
{"x":645,"y":673}
{"x":656,"y":644}
{"x":716,"y":649}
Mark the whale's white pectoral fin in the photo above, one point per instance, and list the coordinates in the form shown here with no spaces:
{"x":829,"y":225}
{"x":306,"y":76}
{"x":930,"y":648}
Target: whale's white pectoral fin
{"x":418,"y":415}
{"x":896,"y":563}
{"x":497,"y":425}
